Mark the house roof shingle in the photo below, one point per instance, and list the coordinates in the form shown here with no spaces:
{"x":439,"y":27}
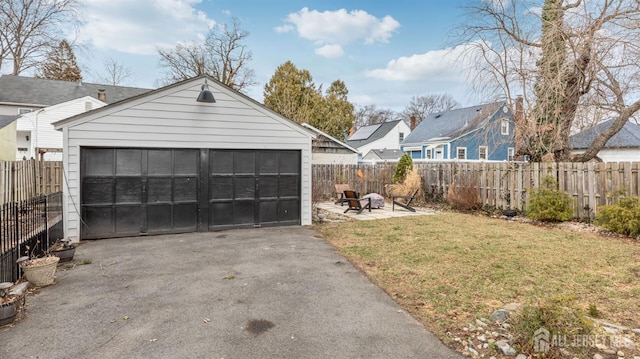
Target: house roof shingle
{"x":451,"y":124}
{"x":5,"y":120}
{"x":43,"y":92}
{"x":378,"y":132}
{"x":386,"y":154}
{"x":629,"y":136}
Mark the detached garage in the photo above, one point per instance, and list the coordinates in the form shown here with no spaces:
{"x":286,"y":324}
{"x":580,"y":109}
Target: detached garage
{"x":163,"y":162}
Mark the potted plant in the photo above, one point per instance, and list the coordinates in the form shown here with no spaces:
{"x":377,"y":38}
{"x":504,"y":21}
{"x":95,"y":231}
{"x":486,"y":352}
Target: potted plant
{"x":63,"y":249}
{"x":8,"y":304}
{"x":39,"y":271}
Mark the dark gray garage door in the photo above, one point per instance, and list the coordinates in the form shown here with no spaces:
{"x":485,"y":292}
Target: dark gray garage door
{"x":129,"y":192}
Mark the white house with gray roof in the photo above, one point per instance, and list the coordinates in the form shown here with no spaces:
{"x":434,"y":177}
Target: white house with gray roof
{"x":387,"y":135}
{"x":19,"y":94}
{"x":624,"y":146}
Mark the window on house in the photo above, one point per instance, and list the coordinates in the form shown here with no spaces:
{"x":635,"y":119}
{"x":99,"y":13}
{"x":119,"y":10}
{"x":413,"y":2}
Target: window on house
{"x":427,"y":154}
{"x":22,"y":111}
{"x":462,"y":153}
{"x":504,"y":126}
{"x":511,"y":154}
{"x":401,"y":136}
{"x":482,"y":152}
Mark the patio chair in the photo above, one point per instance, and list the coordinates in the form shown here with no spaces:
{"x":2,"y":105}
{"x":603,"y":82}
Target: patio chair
{"x":340,"y":188}
{"x":355,"y":203}
{"x":407,"y":201}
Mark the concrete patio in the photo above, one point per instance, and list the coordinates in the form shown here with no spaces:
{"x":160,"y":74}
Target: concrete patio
{"x":385,"y":212}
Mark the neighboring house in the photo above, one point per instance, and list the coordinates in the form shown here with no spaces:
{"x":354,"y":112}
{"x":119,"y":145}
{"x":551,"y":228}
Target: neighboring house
{"x":484,"y":132}
{"x":327,"y":150}
{"x":35,"y":136}
{"x":387,"y":135}
{"x":19,"y":95}
{"x":162,"y":162}
{"x":8,"y":137}
{"x":622,"y":147}
{"x":383,"y":155}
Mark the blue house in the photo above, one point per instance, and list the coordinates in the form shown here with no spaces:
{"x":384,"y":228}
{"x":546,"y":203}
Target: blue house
{"x":485,"y":132}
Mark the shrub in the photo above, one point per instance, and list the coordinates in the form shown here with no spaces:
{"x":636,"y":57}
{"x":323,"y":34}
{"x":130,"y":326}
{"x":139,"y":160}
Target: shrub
{"x":560,"y":315}
{"x":463,"y":195}
{"x":549,"y":204}
{"x":405,"y":164}
{"x":623,"y":217}
{"x":412,"y":182}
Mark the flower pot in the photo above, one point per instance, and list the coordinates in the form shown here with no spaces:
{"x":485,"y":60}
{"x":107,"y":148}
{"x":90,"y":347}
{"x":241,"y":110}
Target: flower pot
{"x":65,"y":254}
{"x":8,"y":312}
{"x":40,"y":271}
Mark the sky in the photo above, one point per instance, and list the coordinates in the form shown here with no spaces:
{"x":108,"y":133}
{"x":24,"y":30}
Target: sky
{"x":385,"y":51}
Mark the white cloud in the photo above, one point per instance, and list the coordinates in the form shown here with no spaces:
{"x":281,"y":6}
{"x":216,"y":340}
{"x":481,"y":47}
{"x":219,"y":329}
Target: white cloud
{"x":141,"y":26}
{"x":339,"y":27}
{"x":437,"y":63}
{"x":330,"y":51}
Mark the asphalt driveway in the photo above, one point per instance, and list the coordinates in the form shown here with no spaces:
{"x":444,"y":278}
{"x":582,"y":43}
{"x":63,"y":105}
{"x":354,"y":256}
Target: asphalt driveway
{"x":257,"y":293}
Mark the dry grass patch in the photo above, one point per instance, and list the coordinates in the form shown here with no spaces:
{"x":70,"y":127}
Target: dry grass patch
{"x":451,"y":268}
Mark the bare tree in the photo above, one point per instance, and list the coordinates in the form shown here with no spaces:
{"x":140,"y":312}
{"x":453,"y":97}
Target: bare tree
{"x":222,"y":55}
{"x":563,"y":57}
{"x":372,"y":115}
{"x":115,"y":73}
{"x":30,"y":27}
{"x":421,"y":106}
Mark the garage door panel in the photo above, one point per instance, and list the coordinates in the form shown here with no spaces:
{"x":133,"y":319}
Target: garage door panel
{"x":186,"y":162}
{"x":159,"y":190}
{"x":185,"y":189}
{"x":185,"y":216}
{"x":243,"y":212}
{"x":221,"y":187}
{"x":290,"y":162}
{"x":221,"y":162}
{"x":268,"y":211}
{"x":128,"y":219}
{"x":99,"y":162}
{"x":99,"y":221}
{"x":244,"y":162}
{"x":268,"y":162}
{"x":97,"y":190}
{"x":159,"y":217}
{"x":245,"y":188}
{"x":288,"y":186}
{"x":159,"y":162}
{"x":221,"y":213}
{"x":128,"y":162}
{"x":289,"y":210}
{"x":268,"y":187}
{"x":128,"y":190}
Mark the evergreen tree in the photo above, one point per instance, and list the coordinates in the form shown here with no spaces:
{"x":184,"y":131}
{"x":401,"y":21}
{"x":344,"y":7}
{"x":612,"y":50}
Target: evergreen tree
{"x":336,"y":114}
{"x":292,"y":93}
{"x":61,"y":64}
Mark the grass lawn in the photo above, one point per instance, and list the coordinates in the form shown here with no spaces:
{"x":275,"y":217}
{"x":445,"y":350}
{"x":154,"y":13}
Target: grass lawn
{"x":450,"y":268}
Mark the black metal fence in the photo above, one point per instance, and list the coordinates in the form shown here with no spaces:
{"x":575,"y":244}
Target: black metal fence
{"x":27,"y":228}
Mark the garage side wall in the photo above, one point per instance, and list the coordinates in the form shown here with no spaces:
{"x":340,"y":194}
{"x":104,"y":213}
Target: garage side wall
{"x":175,"y":120}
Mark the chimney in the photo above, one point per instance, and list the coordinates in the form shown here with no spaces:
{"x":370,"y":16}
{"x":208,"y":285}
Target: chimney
{"x":413,"y":122}
{"x":102,"y":95}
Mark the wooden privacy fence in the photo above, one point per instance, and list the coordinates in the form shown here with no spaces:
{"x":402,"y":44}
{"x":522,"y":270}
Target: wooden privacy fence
{"x":21,"y":180}
{"x":504,"y":185}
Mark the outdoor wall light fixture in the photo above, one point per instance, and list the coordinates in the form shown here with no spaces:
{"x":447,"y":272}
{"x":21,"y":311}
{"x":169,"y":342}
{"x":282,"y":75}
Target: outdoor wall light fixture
{"x":205,"y":94}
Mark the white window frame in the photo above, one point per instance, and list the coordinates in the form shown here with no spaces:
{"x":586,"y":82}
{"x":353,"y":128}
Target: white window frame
{"x":22,"y":111}
{"x":486,"y":152}
{"x":504,"y":126}
{"x":428,"y":154}
{"x":401,"y":136}
{"x":458,"y":153}
{"x":511,"y":154}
